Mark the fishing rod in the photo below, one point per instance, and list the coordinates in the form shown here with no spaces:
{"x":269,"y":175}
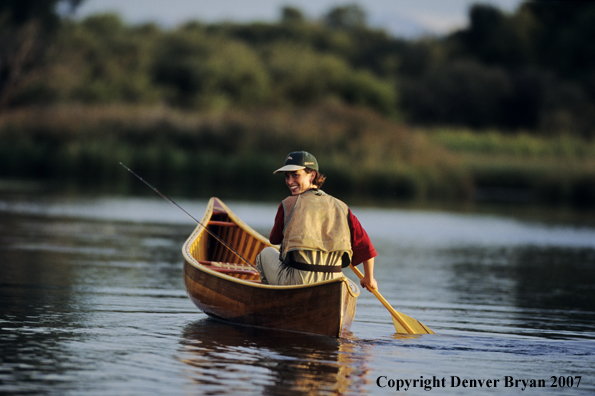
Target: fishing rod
{"x":192,"y":217}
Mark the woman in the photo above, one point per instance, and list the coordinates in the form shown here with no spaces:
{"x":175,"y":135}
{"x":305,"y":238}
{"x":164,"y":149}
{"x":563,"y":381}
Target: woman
{"x":318,"y":233}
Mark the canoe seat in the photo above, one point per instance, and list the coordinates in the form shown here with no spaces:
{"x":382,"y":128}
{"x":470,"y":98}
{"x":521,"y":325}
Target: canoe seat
{"x":241,"y":271}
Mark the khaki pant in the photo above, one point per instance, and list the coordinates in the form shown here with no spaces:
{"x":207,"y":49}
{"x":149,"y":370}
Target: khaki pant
{"x":274,"y":272}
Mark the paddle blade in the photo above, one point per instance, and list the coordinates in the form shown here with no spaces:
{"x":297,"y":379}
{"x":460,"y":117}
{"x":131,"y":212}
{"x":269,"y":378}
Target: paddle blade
{"x":414,"y":325}
{"x":403,"y":324}
{"x":399,"y":327}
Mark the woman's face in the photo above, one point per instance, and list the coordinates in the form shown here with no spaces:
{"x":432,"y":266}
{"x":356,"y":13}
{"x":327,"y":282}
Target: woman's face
{"x":299,"y":181}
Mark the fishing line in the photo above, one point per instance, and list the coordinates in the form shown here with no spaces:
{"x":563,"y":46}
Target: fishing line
{"x":192,"y":217}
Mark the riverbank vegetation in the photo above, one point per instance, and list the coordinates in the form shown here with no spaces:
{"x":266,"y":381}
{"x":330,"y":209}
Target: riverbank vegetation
{"x":502,"y":110}
{"x":366,"y":156}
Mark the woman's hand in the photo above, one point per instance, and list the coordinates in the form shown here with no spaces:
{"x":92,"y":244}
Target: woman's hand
{"x":368,"y":282}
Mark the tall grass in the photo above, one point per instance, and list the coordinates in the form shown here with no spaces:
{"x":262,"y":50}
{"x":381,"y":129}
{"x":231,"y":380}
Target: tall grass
{"x":363,"y":155}
{"x":558,"y":169}
{"x":522,"y":144}
{"x":360,"y":152}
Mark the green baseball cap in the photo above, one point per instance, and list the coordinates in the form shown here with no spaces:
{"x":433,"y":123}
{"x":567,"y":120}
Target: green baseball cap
{"x":299,"y":160}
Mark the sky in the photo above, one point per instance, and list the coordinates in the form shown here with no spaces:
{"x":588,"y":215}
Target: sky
{"x":406,"y":18}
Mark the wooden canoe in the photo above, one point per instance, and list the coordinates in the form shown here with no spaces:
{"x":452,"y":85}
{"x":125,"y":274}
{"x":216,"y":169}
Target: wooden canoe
{"x":220,"y":284}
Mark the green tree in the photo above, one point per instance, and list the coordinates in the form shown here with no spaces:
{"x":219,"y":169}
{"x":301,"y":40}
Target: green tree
{"x":303,"y":76}
{"x":546,"y":48}
{"x":566,"y":36}
{"x":118,"y":60}
{"x":495,"y":38}
{"x":346,"y":17}
{"x":97,"y":60}
{"x":291,"y":15}
{"x":26,"y":28}
{"x":458,"y":93}
{"x":198,"y":69}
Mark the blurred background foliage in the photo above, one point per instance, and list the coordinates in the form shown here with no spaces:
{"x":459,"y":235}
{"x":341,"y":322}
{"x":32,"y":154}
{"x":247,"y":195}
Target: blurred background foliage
{"x":503,"y":109}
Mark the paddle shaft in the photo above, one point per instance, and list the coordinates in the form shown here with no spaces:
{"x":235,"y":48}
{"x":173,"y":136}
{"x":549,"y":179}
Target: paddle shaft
{"x":399,"y":318}
{"x":189,"y":215}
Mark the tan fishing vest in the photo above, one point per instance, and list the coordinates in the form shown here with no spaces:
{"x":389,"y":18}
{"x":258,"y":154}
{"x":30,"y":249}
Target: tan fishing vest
{"x":316,"y":221}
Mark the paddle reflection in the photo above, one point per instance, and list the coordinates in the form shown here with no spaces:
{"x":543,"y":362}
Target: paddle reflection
{"x":232,"y":359}
{"x":406,"y":337}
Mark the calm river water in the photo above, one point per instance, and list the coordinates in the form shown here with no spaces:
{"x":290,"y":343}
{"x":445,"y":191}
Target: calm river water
{"x":93,"y":303}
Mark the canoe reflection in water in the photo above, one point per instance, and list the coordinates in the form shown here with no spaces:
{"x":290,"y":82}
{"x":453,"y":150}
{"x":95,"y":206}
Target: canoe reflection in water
{"x":241,"y":359}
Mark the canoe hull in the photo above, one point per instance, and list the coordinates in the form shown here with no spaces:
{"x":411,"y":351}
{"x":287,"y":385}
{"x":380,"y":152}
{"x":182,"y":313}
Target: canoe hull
{"x":325,"y":308}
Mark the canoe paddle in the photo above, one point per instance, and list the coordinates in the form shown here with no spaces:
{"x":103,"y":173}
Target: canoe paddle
{"x":403,"y":324}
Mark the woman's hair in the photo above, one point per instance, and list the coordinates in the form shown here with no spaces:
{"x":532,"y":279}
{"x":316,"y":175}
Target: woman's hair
{"x":318,"y":179}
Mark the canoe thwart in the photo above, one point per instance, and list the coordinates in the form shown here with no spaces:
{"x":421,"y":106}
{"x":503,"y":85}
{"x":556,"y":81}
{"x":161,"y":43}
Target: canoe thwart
{"x":222,"y":223}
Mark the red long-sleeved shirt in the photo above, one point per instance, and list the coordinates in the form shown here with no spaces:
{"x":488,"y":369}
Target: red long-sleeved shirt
{"x":360,"y":241}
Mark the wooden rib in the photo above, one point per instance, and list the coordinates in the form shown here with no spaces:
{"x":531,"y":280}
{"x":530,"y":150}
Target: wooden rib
{"x":254,"y":250}
{"x":216,"y":248}
{"x":222,"y":250}
{"x":197,"y":248}
{"x":249,"y":248}
{"x":242,"y":242}
{"x":236,"y":234}
{"x":233,"y":236}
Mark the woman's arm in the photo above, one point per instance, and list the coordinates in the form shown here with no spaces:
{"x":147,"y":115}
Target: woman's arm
{"x":368,"y":282}
{"x":361,"y":244}
{"x":276,"y":236}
